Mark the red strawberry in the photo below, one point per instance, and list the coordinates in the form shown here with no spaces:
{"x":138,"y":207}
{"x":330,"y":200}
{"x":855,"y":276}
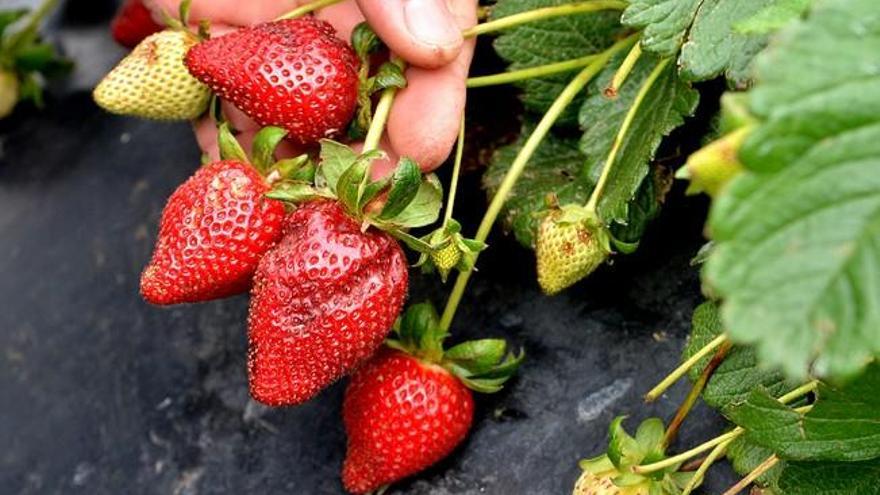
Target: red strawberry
{"x":293,"y":73}
{"x":133,"y":23}
{"x":214,"y":230}
{"x":410,"y":406}
{"x":401,"y":416}
{"x":323,"y":301}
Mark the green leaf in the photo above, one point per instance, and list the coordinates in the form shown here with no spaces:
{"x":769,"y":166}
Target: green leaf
{"x":418,"y":320}
{"x":843,"y":425}
{"x":548,"y":41}
{"x":773,"y":16}
{"x":745,"y":455}
{"x":714,"y":47}
{"x":664,"y":23}
{"x":230,"y":149}
{"x":798,"y":237}
{"x":390,"y":75}
{"x":831,"y":478}
{"x":336,"y":158}
{"x":556,"y":167}
{"x":10,"y":17}
{"x":348,"y":187}
{"x":739,"y":374}
{"x":424,"y":209}
{"x":263,"y":149}
{"x":405,"y":184}
{"x":666,"y":104}
{"x":293,"y":192}
{"x":364,"y":40}
{"x":477,"y":356}
{"x":704,"y":32}
{"x":623,"y":450}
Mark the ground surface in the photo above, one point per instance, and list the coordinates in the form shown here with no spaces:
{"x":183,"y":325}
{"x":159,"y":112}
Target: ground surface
{"x":103,"y":394}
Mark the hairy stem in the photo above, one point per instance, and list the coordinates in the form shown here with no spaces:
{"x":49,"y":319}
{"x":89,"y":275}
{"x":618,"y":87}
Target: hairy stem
{"x":623,"y":71}
{"x":307,"y":8}
{"x":456,"y":169}
{"x":752,"y":476}
{"x":682,"y":369}
{"x":544,"y":13}
{"x":685,"y":408}
{"x":565,"y":97}
{"x":799,"y":392}
{"x":621,"y":133}
{"x":530,"y":73}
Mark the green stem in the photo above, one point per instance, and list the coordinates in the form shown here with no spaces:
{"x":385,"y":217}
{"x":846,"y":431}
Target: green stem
{"x":377,"y":126}
{"x":799,"y":392}
{"x":695,"y":392}
{"x":307,"y":8}
{"x":562,"y":101}
{"x":623,"y":71}
{"x":699,"y":449}
{"x":456,"y":169}
{"x":621,"y":134}
{"x":544,"y":13}
{"x":679,"y":372}
{"x":762,"y":468}
{"x":530,"y":73}
{"x":713,"y":456}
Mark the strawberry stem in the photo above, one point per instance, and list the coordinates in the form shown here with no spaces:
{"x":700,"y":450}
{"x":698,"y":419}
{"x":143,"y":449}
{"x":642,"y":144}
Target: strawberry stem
{"x":700,"y":473}
{"x":383,"y":109}
{"x":682,"y":369}
{"x":530,"y":73}
{"x":623,"y":71}
{"x":685,"y":408}
{"x":33,"y":23}
{"x":307,"y":9}
{"x":456,"y":169}
{"x":762,"y":468}
{"x":621,"y":134}
{"x":543,"y":13}
{"x":519,"y":163}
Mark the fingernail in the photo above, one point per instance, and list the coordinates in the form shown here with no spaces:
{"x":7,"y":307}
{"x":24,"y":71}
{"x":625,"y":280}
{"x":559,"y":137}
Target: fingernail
{"x":430,"y":22}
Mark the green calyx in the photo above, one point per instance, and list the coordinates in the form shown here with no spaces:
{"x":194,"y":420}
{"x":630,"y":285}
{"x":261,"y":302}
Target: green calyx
{"x":482,"y":365}
{"x":181,"y":22}
{"x":625,"y":452}
{"x":25,"y":59}
{"x":449,"y":250}
{"x":291,"y":177}
{"x":389,"y":75}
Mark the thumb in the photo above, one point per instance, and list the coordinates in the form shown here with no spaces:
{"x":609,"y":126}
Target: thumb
{"x":425,"y":33}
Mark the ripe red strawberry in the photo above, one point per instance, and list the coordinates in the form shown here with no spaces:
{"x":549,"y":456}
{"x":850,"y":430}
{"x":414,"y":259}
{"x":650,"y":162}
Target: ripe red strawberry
{"x":410,"y":405}
{"x":292,"y":73}
{"x":214,"y":230}
{"x":323,"y":301}
{"x":133,"y":23}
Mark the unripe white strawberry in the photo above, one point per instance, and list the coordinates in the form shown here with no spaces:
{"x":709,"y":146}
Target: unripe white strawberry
{"x":152,"y":81}
{"x":571,"y":244}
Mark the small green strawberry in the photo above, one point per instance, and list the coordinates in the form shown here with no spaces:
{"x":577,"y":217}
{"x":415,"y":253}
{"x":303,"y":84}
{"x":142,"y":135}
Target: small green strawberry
{"x":713,"y":166}
{"x":449,"y":250}
{"x":572,"y":242}
{"x":8,"y":92}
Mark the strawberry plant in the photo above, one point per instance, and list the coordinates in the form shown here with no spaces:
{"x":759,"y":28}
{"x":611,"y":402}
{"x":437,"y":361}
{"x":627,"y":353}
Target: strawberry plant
{"x":785,"y":346}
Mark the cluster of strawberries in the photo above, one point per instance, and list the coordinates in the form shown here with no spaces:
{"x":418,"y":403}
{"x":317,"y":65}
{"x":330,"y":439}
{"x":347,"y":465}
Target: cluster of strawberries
{"x":313,"y":240}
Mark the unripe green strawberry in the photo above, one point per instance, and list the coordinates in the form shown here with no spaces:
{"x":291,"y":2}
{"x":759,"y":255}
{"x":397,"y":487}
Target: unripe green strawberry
{"x":153,"y":83}
{"x":571,"y":244}
{"x":711,"y":167}
{"x":603,"y":484}
{"x":8,"y":92}
{"x":445,"y":259}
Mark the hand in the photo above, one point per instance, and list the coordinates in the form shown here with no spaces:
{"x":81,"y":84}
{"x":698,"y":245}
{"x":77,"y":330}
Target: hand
{"x":424,"y":120}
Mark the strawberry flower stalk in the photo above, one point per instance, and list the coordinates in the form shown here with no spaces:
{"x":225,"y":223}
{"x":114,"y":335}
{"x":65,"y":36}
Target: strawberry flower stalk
{"x":411,"y":405}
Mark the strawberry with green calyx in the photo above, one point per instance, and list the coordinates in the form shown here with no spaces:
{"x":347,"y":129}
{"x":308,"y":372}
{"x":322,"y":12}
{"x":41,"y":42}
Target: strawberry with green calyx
{"x":26,"y":61}
{"x":152,"y":82}
{"x":290,"y":73}
{"x":611,"y":473}
{"x":571,"y":243}
{"x":410,"y":405}
{"x":366,"y":43}
{"x":217,"y":226}
{"x":449,"y":250}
